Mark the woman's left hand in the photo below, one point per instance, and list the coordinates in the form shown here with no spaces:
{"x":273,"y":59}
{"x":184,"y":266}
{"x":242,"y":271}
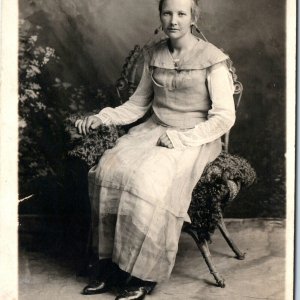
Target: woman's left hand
{"x":164,"y":141}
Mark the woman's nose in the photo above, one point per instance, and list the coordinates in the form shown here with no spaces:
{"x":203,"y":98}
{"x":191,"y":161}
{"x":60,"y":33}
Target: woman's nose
{"x":174,"y":20}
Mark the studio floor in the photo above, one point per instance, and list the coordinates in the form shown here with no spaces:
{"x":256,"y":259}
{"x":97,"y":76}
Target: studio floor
{"x":260,"y":276}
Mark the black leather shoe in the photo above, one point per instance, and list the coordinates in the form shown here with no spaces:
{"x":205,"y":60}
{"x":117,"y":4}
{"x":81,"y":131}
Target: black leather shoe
{"x":138,"y":292}
{"x":133,"y":294}
{"x":101,"y":277}
{"x":96,"y":287}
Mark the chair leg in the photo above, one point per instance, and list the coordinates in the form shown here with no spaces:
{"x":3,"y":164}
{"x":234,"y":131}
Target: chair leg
{"x":239,"y":254}
{"x":203,"y":247}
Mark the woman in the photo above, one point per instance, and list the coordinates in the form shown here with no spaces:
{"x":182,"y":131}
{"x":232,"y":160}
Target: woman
{"x":141,"y":189}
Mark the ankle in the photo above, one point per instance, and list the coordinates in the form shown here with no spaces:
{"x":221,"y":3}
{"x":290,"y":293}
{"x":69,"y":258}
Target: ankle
{"x":99,"y":270}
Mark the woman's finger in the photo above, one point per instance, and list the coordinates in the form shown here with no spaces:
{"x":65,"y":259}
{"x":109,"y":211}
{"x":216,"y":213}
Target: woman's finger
{"x":78,"y":124}
{"x":88,"y":123}
{"x":168,"y":145}
{"x":165,"y":139}
{"x":167,"y":142}
{"x":162,"y":144}
{"x":83,"y":126}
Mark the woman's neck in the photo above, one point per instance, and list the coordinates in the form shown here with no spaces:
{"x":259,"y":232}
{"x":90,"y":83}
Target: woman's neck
{"x":183,"y":44}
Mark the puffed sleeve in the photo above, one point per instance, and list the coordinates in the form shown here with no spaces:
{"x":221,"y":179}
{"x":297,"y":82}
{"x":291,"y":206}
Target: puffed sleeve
{"x":133,"y":109}
{"x":221,"y":116}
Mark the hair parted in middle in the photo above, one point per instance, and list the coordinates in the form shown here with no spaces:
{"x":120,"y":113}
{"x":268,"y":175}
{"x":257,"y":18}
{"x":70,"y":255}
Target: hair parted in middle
{"x":195,"y":10}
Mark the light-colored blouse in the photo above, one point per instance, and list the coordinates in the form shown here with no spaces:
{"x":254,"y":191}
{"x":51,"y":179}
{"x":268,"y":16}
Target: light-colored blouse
{"x":207,"y":115}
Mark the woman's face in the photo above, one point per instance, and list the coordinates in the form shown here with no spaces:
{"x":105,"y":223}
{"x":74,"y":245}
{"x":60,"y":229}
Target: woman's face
{"x":176,"y":18}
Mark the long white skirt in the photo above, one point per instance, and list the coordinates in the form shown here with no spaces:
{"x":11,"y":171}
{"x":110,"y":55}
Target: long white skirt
{"x":140,"y":194}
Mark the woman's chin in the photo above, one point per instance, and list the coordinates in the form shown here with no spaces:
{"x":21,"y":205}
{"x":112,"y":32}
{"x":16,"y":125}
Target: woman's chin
{"x":173,"y":35}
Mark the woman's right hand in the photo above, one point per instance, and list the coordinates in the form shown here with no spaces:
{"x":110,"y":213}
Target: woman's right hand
{"x":84,"y":126}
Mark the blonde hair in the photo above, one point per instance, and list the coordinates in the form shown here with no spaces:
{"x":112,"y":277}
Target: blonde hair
{"x":195,"y":10}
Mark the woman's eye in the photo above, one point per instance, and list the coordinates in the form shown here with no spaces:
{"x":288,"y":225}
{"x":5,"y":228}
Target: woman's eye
{"x":167,"y":13}
{"x":181,"y":14}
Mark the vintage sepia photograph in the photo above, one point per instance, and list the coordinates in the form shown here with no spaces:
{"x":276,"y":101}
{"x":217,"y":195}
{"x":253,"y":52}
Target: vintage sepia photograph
{"x":154,"y":150}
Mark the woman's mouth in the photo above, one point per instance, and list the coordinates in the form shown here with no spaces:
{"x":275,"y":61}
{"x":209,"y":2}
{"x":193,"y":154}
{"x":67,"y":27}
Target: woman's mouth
{"x":173,"y":29}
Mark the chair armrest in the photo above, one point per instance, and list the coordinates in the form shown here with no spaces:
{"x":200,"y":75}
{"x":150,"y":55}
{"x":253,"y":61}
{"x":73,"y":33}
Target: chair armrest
{"x":220,"y":183}
{"x":229,"y":167}
{"x":90,"y":147}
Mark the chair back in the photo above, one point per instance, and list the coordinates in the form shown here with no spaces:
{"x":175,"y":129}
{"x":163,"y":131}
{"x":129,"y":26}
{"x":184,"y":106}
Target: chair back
{"x":237,"y":96}
{"x":132,"y":72}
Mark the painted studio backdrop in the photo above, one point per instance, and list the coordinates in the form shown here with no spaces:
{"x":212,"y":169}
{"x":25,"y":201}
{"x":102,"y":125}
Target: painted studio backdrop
{"x":84,"y":44}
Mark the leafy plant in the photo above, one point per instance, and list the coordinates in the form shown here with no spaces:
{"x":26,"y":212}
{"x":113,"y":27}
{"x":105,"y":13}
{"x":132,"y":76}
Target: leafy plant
{"x":45,"y":101}
{"x":33,"y":107}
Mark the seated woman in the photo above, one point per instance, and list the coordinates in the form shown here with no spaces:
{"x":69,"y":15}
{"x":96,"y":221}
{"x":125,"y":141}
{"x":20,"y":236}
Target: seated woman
{"x":141,"y":189}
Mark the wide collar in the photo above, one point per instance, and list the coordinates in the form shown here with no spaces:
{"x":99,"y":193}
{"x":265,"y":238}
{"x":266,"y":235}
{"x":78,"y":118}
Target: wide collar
{"x":202,"y":56}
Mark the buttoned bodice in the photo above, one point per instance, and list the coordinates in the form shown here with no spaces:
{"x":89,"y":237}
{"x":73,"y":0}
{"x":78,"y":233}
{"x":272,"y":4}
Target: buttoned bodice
{"x":181,"y":97}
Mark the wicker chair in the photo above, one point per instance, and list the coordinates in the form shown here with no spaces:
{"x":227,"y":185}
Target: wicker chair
{"x":221,"y":180}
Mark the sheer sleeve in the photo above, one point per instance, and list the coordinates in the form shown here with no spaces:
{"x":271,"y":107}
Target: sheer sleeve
{"x":221,"y":116}
{"x":133,"y":109}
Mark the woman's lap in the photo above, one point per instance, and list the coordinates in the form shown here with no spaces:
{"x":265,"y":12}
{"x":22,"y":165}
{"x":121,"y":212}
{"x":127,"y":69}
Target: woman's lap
{"x":140,"y":194}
